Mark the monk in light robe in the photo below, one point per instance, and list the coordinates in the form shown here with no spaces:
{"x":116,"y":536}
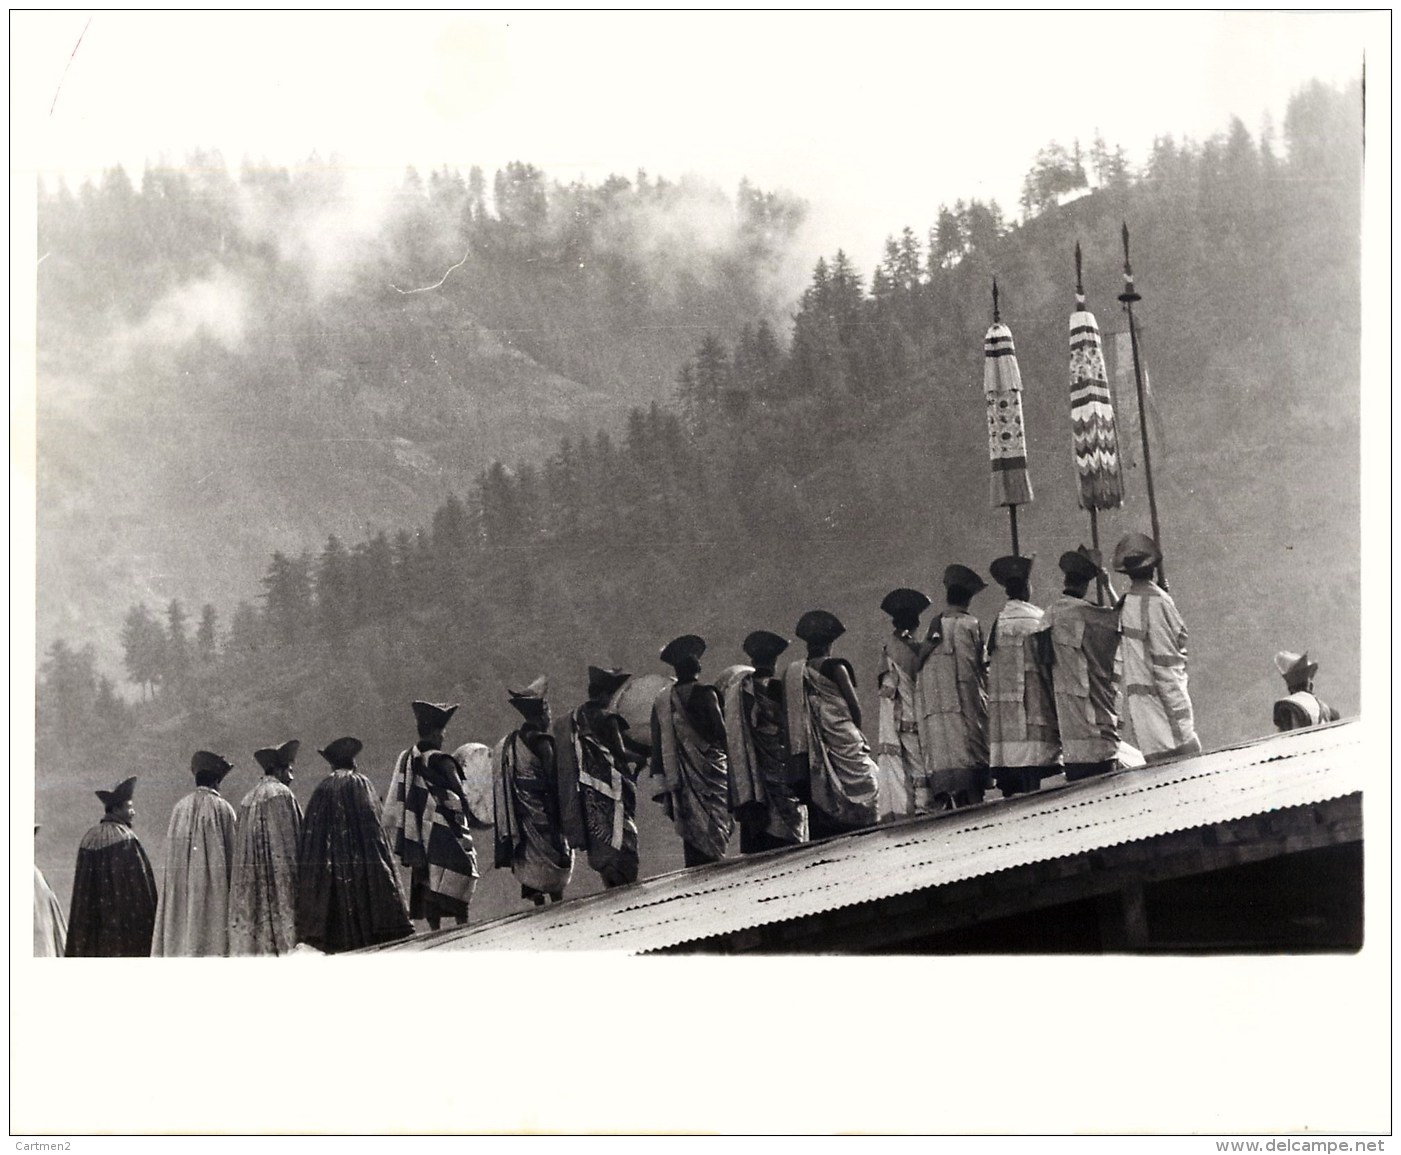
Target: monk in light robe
{"x":953,"y":685}
{"x":426,"y":820}
{"x":192,"y":917}
{"x":530,"y":837}
{"x":348,"y":893}
{"x":600,"y":765}
{"x":824,"y":733}
{"x":763,"y":795}
{"x":1084,"y":644}
{"x":688,"y":755}
{"x":263,"y":891}
{"x":50,"y":926}
{"x":904,"y":781}
{"x":114,"y":889}
{"x":1023,"y":743}
{"x":1153,"y":644}
{"x":1302,"y":708}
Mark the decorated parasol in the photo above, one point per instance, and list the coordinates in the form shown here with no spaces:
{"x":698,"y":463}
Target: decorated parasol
{"x":1002,"y":386}
{"x":1095,"y":440}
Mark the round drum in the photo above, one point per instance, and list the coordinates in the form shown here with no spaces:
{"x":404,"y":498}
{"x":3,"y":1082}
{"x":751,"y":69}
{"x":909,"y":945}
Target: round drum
{"x":728,"y":677}
{"x":634,"y":700}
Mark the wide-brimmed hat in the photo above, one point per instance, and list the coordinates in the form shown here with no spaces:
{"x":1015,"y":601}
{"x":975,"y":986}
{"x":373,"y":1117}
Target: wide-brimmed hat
{"x":1011,"y":568}
{"x":530,"y":700}
{"x":1082,"y":562}
{"x":433,"y":715}
{"x":605,"y":680}
{"x":1136,"y":551}
{"x":961,"y":575}
{"x":679,"y":649}
{"x":342,"y":751}
{"x":278,"y":757}
{"x":819,"y":626}
{"x":904,"y":603}
{"x":211,"y":765}
{"x":764,"y":644}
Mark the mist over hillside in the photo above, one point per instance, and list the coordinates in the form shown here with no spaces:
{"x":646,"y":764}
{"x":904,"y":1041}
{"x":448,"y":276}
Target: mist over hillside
{"x":600,"y":429}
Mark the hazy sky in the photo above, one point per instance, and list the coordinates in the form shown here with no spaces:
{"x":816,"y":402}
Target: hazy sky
{"x":873,"y":118}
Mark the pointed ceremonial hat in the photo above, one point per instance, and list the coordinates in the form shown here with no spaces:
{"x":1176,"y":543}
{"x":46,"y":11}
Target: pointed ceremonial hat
{"x":122,"y":792}
{"x":433,"y":715}
{"x":819,"y":626}
{"x":1081,"y":562}
{"x":1295,"y":667}
{"x":686,"y":646}
{"x":961,"y":575}
{"x":278,"y":757}
{"x":207,"y":762}
{"x":1011,"y":568}
{"x":530,"y":700}
{"x":1136,"y":551}
{"x":904,"y":601}
{"x":342,"y":751}
{"x":764,"y":644}
{"x":605,"y":680}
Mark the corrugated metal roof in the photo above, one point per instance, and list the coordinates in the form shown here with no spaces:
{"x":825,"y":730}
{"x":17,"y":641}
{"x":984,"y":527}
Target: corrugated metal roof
{"x":1284,"y":770}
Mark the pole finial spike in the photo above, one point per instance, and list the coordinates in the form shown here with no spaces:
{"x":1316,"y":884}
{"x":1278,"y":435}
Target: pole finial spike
{"x":996,"y":313}
{"x":1079,"y":280}
{"x":1128,"y":271}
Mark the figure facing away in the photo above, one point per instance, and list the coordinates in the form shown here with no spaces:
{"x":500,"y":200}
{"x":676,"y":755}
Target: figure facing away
{"x":50,"y":926}
{"x":1084,"y":644}
{"x":530,"y":837}
{"x":263,"y":891}
{"x":1153,"y":644}
{"x":829,"y":751}
{"x":954,"y":728}
{"x":763,"y":796}
{"x":688,"y":754}
{"x":1023,"y":744}
{"x":113,"y":912}
{"x":426,"y":821}
{"x":348,"y":892}
{"x":192,"y":917}
{"x":904,"y":777}
{"x":1302,"y":708}
{"x":595,"y":756}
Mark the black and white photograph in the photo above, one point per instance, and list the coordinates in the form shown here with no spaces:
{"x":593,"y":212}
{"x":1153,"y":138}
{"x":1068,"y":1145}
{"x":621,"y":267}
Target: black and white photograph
{"x":501,"y":497}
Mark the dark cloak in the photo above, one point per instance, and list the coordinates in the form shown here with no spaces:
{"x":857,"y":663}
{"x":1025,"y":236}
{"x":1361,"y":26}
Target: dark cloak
{"x":114,"y":895}
{"x":348,"y":892}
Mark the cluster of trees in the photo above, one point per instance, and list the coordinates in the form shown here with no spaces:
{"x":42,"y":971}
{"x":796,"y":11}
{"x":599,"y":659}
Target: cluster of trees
{"x":829,"y":463}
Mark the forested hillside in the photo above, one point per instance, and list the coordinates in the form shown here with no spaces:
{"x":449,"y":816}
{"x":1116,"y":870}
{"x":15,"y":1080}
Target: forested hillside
{"x":772,"y":468}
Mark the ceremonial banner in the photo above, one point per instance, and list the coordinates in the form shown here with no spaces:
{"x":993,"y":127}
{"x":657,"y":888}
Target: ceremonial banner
{"x":1002,"y":384}
{"x":1092,"y":415}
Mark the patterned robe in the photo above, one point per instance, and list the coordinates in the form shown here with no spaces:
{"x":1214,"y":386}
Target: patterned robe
{"x":1301,"y":710}
{"x":425,"y":820}
{"x":1153,"y":644}
{"x":1021,"y":701}
{"x":761,"y":787}
{"x":192,"y":917}
{"x":530,"y":835}
{"x":904,"y":779}
{"x":263,"y":890}
{"x":954,"y":707}
{"x":606,"y":820}
{"x":1084,"y":643}
{"x":842,"y":778}
{"x":50,"y":927}
{"x":114,"y":895}
{"x":348,"y":892}
{"x":696,"y":774}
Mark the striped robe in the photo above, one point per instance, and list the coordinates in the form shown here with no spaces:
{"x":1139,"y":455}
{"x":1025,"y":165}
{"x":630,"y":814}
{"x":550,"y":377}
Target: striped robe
{"x":758,"y":760}
{"x":530,"y":837}
{"x":1153,"y":645}
{"x":425,"y":820}
{"x":696,"y":774}
{"x":904,"y":780}
{"x":842,"y":778}
{"x":954,"y":707}
{"x":1084,"y":643}
{"x":1302,"y":709}
{"x":263,"y":890}
{"x":606,"y":819}
{"x":1021,"y":702}
{"x":192,"y":917}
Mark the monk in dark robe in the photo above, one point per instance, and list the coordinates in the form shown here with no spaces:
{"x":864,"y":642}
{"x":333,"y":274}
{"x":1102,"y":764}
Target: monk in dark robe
{"x":601,"y":763}
{"x":688,"y":754}
{"x":348,"y":892}
{"x":530,"y":837}
{"x":114,"y":889}
{"x":762,"y":793}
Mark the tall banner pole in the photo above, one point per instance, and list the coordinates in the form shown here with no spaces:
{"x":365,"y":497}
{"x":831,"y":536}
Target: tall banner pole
{"x":1002,"y":388}
{"x":1128,"y":297}
{"x":1094,"y":438}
